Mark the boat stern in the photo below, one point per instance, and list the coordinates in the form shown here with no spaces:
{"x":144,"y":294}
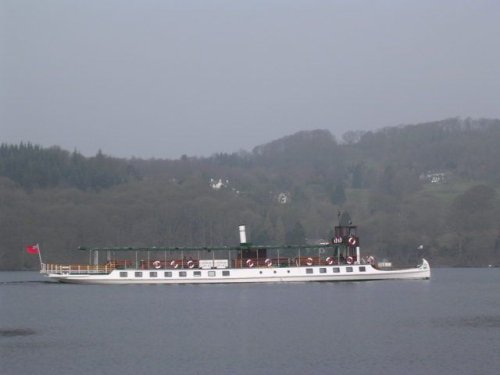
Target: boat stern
{"x":426,"y":269}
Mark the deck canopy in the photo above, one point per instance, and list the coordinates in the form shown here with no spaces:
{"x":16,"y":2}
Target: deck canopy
{"x":204,"y":248}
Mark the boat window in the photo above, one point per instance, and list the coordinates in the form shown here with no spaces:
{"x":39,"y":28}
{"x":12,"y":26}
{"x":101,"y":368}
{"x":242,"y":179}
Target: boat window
{"x":153,"y":274}
{"x":168,"y":274}
{"x":182,"y":274}
{"x":211,"y":273}
{"x":197,"y":273}
{"x":322,"y":270}
{"x":309,"y":270}
{"x":138,"y":274}
{"x":225,"y":273}
{"x":336,"y":270}
{"x":362,"y":269}
{"x":348,"y":269}
{"x":123,"y":274}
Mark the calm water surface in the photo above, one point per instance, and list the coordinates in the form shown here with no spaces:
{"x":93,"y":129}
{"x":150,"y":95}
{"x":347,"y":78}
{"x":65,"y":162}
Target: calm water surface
{"x":447,"y":325}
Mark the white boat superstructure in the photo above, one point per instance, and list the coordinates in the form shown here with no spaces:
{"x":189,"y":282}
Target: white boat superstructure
{"x":338,"y":260}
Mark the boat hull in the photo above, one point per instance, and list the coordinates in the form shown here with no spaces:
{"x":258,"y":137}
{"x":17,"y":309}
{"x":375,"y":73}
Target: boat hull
{"x":246,"y":275}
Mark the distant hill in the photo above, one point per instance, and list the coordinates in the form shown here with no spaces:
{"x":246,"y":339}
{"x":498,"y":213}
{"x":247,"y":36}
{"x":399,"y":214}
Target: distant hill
{"x":31,"y":166}
{"x":432,"y":186}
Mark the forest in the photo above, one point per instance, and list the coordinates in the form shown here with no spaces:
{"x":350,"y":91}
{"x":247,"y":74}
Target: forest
{"x":425,"y":190}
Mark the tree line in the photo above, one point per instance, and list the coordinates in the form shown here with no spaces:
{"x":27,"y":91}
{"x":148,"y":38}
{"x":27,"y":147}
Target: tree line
{"x":33,"y":167}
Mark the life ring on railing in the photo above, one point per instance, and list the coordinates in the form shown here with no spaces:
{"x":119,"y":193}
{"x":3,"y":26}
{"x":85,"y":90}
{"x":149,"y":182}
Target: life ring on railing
{"x":156,"y":264}
{"x":174,"y":264}
{"x":250,"y":263}
{"x":330,"y":260}
{"x":268,"y":262}
{"x":190,"y":263}
{"x":352,"y":241}
{"x":350,"y":260}
{"x":309,"y":261}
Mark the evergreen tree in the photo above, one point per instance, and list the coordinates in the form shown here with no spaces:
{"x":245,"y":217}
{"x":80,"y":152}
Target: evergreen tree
{"x":296,"y":235}
{"x":338,"y":196}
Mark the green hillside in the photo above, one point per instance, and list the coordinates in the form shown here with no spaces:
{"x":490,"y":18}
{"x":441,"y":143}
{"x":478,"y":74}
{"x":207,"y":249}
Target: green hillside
{"x":433,"y":184}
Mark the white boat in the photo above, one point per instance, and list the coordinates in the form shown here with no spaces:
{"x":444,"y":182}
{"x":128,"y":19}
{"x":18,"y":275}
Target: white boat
{"x":338,"y":260}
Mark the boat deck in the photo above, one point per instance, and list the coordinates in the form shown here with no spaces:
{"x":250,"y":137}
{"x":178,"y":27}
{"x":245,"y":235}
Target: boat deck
{"x":171,"y":264}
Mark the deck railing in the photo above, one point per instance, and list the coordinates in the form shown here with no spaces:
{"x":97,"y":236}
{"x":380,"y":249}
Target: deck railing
{"x":76,"y":269}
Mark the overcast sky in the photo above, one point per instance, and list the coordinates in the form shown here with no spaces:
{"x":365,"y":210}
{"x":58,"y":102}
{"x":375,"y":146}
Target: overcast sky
{"x":164,"y":78}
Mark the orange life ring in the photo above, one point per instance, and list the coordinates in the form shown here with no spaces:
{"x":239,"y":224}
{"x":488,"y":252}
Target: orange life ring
{"x":190,"y":263}
{"x":350,"y":260}
{"x":250,"y":263}
{"x":156,"y":264}
{"x":268,"y":262}
{"x":330,"y":260}
{"x":310,"y":261}
{"x":352,"y":241}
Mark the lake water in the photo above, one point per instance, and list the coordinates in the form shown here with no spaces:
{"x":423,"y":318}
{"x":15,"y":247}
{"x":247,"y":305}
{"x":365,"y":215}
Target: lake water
{"x":447,"y":325}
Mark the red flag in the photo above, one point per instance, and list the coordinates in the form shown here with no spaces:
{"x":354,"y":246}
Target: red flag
{"x":33,"y":249}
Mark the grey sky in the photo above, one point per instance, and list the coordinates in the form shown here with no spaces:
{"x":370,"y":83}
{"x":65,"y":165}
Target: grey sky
{"x":164,"y":78}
